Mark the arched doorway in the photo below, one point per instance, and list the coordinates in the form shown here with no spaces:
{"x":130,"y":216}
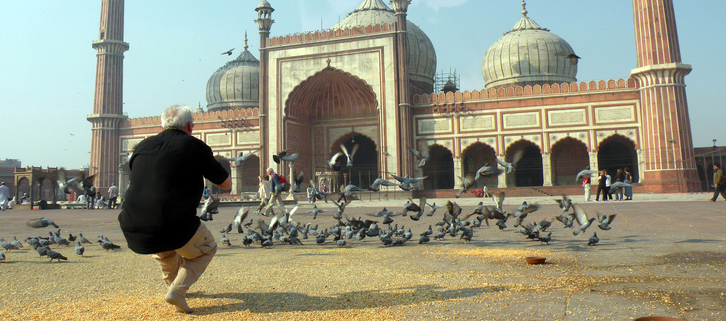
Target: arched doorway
{"x":475,"y":156}
{"x":249,"y":171}
{"x":23,"y":187}
{"x":214,"y":189}
{"x":45,"y":189}
{"x":321,"y":107}
{"x":617,"y":152}
{"x":569,"y":157}
{"x":365,"y":160}
{"x":529,"y":168}
{"x":439,"y":168}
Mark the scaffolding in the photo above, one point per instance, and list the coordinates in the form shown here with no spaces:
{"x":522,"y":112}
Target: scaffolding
{"x":445,"y":80}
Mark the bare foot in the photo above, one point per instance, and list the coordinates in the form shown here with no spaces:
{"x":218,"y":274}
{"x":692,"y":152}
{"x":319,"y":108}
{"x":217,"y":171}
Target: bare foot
{"x":178,"y":301}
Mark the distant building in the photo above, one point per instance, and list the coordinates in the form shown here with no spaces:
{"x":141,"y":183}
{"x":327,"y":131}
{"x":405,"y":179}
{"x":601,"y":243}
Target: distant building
{"x":368,"y":82}
{"x":7,"y":170}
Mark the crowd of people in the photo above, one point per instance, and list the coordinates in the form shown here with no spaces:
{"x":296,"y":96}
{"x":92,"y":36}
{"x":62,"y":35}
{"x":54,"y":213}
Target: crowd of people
{"x":605,"y":181}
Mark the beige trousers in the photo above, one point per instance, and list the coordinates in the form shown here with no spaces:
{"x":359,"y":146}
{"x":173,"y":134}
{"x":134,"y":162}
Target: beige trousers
{"x":182,"y":267}
{"x":275,"y":200}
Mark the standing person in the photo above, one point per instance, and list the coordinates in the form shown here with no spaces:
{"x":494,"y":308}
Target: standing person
{"x":264,"y":192}
{"x":719,"y":181}
{"x":601,"y":187}
{"x":112,"y":196}
{"x":205,"y":192}
{"x":90,"y":195}
{"x":586,"y":184}
{"x":311,"y":194}
{"x":275,"y":191}
{"x":159,"y":212}
{"x":629,"y":180}
{"x":4,"y":196}
{"x":619,"y":177}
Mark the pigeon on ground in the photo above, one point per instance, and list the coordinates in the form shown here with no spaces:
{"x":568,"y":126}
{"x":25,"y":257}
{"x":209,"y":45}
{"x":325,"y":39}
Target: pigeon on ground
{"x":605,"y":221}
{"x":83,"y":239}
{"x":53,"y":255}
{"x":424,"y":157}
{"x":226,"y":229}
{"x":423,"y":239}
{"x":341,"y":243}
{"x":42,"y":250}
{"x":80,"y":249}
{"x":407,"y":182}
{"x":7,"y":245}
{"x":16,"y":243}
{"x":593,"y":240}
{"x":545,"y":239}
{"x":106,"y":244}
{"x":2,"y":256}
{"x":585,"y":173}
{"x":225,"y":240}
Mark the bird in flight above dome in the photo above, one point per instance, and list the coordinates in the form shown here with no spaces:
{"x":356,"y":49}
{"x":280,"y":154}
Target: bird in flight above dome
{"x":228,"y":52}
{"x":573,"y":57}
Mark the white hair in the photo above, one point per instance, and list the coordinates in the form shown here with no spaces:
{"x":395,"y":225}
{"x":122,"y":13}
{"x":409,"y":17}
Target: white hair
{"x":176,"y":117}
{"x":270,"y":170}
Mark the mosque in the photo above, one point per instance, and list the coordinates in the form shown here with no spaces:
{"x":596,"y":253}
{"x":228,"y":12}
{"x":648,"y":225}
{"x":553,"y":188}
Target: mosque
{"x":369,"y":82}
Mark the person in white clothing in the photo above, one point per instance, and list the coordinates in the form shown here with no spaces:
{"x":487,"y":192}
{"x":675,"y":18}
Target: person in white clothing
{"x":4,"y":196}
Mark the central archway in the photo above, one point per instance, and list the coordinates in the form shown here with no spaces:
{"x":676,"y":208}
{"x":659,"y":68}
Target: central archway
{"x":439,"y":169}
{"x":323,"y":106}
{"x":477,"y":155}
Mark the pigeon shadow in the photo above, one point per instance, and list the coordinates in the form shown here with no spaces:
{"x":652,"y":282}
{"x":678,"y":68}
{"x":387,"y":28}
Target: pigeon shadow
{"x":698,"y":241}
{"x":297,"y":302}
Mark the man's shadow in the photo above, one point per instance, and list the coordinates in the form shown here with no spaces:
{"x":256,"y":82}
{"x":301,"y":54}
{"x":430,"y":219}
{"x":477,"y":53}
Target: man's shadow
{"x":297,"y":302}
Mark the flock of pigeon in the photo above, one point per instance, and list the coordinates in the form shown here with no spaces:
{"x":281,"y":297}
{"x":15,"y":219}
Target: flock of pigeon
{"x":285,"y":228}
{"x":49,"y":246}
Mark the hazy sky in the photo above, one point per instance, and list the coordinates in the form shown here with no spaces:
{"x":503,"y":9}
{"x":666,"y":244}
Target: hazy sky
{"x":47,"y":65}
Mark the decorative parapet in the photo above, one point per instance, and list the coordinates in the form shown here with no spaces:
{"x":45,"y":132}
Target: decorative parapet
{"x":330,"y":34}
{"x":526,"y":91}
{"x":208,"y":116}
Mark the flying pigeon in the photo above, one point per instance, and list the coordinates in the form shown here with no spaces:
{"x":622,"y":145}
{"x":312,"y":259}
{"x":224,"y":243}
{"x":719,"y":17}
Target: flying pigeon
{"x":225,"y":240}
{"x":375,"y":186}
{"x":332,"y":162}
{"x":605,"y":220}
{"x":573,"y":57}
{"x":423,"y":157}
{"x":614,"y":187}
{"x":228,"y":52}
{"x":284,"y":156}
{"x":41,"y":222}
{"x":585,"y":172}
{"x":487,"y":171}
{"x":242,"y":157}
{"x":582,"y":219}
{"x":515,"y":159}
{"x":407,"y":182}
{"x":466,"y":183}
{"x":349,"y":155}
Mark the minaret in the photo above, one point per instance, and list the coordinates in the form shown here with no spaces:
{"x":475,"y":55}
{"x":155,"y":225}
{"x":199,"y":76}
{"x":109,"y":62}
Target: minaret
{"x":108,"y":99}
{"x":667,"y":146}
{"x":264,"y":24}
{"x":405,"y":128}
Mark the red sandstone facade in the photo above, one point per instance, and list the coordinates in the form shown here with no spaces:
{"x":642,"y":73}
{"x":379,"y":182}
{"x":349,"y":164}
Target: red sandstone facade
{"x":639,"y":122}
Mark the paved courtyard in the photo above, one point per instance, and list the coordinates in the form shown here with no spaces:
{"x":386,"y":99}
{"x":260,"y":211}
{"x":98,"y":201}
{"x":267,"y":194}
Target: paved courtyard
{"x":665,"y":256}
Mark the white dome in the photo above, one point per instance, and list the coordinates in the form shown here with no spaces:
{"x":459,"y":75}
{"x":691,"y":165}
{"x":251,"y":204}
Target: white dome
{"x":528,"y":55}
{"x":236,"y":84}
{"x":421,"y":52}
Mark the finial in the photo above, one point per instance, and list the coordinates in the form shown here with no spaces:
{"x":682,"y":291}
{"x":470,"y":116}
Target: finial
{"x":328,"y":61}
{"x":524,"y":8}
{"x":245,"y":46}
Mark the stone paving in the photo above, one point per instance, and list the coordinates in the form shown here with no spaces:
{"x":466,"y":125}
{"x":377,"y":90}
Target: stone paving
{"x":665,"y":255}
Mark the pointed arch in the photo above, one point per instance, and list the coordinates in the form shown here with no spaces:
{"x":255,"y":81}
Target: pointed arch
{"x":439,"y":168}
{"x":365,"y":160}
{"x":569,"y":156}
{"x":529,"y":170}
{"x":617,"y":152}
{"x":474,"y":157}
